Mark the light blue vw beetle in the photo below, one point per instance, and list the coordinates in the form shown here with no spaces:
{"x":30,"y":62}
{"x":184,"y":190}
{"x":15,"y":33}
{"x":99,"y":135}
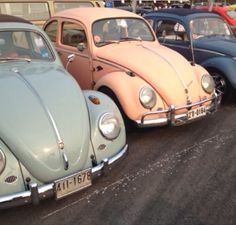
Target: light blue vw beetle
{"x":54,"y":138}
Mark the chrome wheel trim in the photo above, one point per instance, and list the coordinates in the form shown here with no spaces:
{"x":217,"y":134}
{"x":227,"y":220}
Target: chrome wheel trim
{"x":220,"y":83}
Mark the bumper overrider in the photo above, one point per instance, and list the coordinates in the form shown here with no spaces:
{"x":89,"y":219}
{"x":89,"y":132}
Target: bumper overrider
{"x":37,"y":193}
{"x":174,"y":119}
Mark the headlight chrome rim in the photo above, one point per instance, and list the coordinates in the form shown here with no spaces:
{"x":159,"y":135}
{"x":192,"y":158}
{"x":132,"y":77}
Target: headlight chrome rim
{"x":2,"y":161}
{"x":208,"y":83}
{"x":148,"y":104}
{"x":105,"y":127}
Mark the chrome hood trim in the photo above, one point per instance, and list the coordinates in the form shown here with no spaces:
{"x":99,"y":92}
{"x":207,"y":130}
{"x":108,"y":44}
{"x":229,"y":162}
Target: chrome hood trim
{"x":44,"y":119}
{"x":44,"y":106}
{"x":154,"y":71}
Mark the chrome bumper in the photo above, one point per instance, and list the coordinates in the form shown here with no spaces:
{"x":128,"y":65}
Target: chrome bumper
{"x":37,"y":193}
{"x":176,"y":120}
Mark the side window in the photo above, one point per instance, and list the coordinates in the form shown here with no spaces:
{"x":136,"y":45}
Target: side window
{"x":59,"y":6}
{"x":51,"y":30}
{"x":27,"y":44}
{"x":73,"y":34}
{"x":28,"y":10}
{"x":170,"y":30}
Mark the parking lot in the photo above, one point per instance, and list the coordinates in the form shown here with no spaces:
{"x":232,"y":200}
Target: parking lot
{"x":179,"y":175}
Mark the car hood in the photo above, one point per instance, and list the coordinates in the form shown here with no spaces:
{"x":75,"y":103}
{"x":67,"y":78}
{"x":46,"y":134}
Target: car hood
{"x":219,"y":44}
{"x":162,"y":68}
{"x":42,"y":105}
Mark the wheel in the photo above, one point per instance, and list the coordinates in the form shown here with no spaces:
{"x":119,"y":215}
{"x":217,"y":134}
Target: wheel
{"x":129,"y":124}
{"x":222,"y":86}
{"x":220,"y":83}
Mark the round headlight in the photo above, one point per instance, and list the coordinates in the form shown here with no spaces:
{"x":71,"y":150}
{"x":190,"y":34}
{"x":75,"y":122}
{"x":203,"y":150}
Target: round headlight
{"x":147,"y":97}
{"x":208,"y":83}
{"x":109,"y":126}
{"x":2,"y":161}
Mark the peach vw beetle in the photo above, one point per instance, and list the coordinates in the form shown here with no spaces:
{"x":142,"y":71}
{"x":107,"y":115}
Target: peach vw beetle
{"x":116,"y":52}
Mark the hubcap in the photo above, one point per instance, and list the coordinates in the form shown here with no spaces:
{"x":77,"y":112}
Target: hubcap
{"x":220,"y":83}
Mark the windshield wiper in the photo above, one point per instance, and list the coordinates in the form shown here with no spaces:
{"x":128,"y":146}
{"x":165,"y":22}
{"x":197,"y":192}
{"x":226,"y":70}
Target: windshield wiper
{"x":102,"y":43}
{"x":15,"y":59}
{"x":130,"y":39}
{"x":217,"y":35}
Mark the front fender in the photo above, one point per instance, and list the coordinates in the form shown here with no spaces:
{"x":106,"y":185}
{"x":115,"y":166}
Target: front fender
{"x":225,"y":65}
{"x":103,"y":148}
{"x":126,"y":88}
{"x":11,"y":180}
{"x":200,"y":71}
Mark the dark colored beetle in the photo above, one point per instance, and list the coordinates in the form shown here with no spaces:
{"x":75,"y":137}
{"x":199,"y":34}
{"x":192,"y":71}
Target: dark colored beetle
{"x":203,"y":38}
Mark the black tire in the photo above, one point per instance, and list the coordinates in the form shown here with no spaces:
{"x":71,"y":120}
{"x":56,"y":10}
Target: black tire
{"x":129,"y":124}
{"x":223,"y":86}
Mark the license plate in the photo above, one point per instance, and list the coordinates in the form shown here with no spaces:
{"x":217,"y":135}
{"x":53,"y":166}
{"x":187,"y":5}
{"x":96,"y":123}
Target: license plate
{"x":73,"y":183}
{"x":195,"y":113}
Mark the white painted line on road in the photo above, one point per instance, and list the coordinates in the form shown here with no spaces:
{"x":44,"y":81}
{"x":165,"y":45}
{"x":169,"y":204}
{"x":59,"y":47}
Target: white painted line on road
{"x":84,"y":198}
{"x":218,"y":141}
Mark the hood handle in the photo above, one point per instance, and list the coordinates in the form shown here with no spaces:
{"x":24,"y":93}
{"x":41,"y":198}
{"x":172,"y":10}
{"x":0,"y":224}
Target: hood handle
{"x":65,"y":160}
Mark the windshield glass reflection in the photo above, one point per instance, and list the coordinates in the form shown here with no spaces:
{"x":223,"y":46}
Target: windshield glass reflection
{"x":116,"y":30}
{"x":206,"y":27}
{"x":23,"y":44}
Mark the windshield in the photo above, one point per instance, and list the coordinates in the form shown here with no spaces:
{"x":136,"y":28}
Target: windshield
{"x":23,"y":44}
{"x":205,"y":27}
{"x":115,"y":30}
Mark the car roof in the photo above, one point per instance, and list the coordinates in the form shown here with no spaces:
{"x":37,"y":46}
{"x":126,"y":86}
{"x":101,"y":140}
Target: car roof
{"x":182,"y":12}
{"x":8,"y":18}
{"x":216,"y":8}
{"x":91,"y":14}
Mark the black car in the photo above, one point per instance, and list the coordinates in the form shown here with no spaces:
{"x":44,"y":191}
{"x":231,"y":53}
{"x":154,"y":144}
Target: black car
{"x":203,"y":38}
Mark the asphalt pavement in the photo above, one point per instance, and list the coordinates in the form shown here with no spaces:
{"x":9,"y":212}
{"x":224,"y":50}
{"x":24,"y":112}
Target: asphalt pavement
{"x":182,"y":175}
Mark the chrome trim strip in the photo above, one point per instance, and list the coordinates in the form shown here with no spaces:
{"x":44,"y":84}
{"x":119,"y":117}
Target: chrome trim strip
{"x":171,"y":65}
{"x":3,"y":161}
{"x":35,"y":194}
{"x":108,"y":62}
{"x":209,"y":51}
{"x":44,"y":106}
{"x":65,"y":160}
{"x":119,"y":155}
{"x":68,"y":51}
{"x":195,"y":49}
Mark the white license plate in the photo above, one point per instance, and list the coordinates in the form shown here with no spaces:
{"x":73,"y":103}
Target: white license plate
{"x":73,"y":183}
{"x":195,"y":113}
